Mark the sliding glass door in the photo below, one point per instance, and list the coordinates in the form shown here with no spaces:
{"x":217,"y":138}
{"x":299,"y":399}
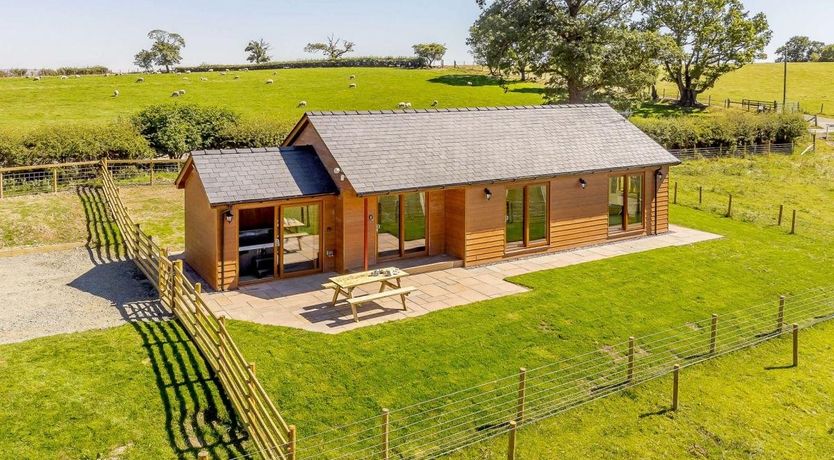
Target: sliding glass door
{"x":300,"y":239}
{"x":526,"y":216}
{"x":401,"y":225}
{"x":625,"y":203}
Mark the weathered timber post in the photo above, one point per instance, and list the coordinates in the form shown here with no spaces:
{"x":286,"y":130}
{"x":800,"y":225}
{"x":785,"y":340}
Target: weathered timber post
{"x":177,"y":283}
{"x":781,"y":211}
{"x":511,"y":441}
{"x":793,"y":222}
{"x":291,"y":443}
{"x":54,"y":180}
{"x":713,"y":333}
{"x":675,"y":381}
{"x":700,"y":195}
{"x":795,"y":344}
{"x":675,"y":201}
{"x":522,"y":391}
{"x":386,"y":433}
{"x":730,"y":206}
{"x":151,"y":168}
{"x":780,"y":316}
{"x":250,"y":391}
{"x":1,"y":186}
{"x":630,"y":372}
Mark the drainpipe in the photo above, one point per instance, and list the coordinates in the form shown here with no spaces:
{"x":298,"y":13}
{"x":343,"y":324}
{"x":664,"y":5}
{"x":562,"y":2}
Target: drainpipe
{"x":365,"y":239}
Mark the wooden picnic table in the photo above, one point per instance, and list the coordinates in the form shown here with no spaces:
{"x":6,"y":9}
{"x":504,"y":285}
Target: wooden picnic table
{"x":387,"y":277}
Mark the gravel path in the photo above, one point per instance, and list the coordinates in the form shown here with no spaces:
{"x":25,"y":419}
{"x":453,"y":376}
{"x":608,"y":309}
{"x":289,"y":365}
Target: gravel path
{"x":70,"y":291}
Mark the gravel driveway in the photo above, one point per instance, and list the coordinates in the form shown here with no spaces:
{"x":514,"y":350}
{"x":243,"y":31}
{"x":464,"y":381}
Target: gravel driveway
{"x":70,"y":291}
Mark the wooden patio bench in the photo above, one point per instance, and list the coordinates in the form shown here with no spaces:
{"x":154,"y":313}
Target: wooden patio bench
{"x":297,"y":237}
{"x":359,"y":300}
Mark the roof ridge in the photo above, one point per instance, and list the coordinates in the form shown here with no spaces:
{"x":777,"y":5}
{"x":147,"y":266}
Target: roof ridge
{"x":328,"y":113}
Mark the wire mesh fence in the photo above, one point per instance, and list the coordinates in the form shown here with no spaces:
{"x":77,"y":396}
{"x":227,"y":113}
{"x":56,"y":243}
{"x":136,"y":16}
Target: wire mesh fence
{"x":439,"y":426}
{"x":699,"y":153}
{"x":31,"y":180}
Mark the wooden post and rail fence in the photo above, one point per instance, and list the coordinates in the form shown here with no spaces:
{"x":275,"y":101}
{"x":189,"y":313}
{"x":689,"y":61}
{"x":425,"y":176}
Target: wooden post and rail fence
{"x":272,"y":436}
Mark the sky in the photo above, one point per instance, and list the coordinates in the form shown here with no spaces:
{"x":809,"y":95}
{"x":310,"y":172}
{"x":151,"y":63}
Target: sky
{"x":53,"y":33}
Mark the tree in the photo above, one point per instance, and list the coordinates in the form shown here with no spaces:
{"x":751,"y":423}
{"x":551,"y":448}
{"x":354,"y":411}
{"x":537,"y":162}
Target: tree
{"x":503,"y":39}
{"x":333,"y":49}
{"x":258,"y":50}
{"x":827,"y":54}
{"x":144,"y":59}
{"x":799,"y":48}
{"x":429,"y":52}
{"x":708,"y":38}
{"x":166,"y":48}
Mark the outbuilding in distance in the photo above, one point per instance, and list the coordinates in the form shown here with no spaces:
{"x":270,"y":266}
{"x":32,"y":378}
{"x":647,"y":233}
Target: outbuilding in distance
{"x":349,"y":190}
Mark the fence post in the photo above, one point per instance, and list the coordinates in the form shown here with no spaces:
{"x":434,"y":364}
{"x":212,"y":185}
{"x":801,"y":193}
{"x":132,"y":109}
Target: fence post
{"x":793,"y":222}
{"x":386,"y":432}
{"x":221,"y":320}
{"x":795,"y":344}
{"x":511,"y":441}
{"x":522,"y":391}
{"x":291,"y":443}
{"x":250,"y":393}
{"x":675,"y":381}
{"x":151,"y":173}
{"x":54,"y":180}
{"x":700,"y":195}
{"x":1,"y":186}
{"x":730,"y":206}
{"x":675,"y":201}
{"x":713,"y":333}
{"x":781,"y":210}
{"x":780,"y":316}
{"x":160,"y":273}
{"x":630,"y":374}
{"x":177,"y":284}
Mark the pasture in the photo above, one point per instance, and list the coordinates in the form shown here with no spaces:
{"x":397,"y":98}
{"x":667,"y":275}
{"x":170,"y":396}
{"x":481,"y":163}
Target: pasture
{"x":27,"y":103}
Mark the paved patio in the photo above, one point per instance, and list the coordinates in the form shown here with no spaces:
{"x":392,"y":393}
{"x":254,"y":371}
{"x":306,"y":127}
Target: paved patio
{"x":301,"y":303}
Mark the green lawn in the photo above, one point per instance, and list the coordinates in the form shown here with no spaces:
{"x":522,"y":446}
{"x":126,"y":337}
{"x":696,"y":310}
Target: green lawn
{"x":808,"y":83}
{"x":28,"y":103}
{"x":134,"y":392}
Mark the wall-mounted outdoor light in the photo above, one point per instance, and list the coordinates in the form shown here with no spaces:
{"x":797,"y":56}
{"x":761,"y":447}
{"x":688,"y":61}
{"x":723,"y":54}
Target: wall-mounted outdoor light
{"x":228,"y":215}
{"x":582,"y":183}
{"x":659,"y":175}
{"x":487,"y":194}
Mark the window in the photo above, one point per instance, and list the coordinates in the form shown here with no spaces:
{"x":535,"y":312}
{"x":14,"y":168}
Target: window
{"x":526,"y":216}
{"x":625,"y":202}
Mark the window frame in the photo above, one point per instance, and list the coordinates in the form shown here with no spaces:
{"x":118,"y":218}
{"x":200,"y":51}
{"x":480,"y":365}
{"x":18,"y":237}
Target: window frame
{"x":403,"y":254}
{"x":525,"y":243}
{"x":625,"y":226}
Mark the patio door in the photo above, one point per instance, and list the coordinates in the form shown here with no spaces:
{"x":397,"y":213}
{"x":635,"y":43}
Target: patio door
{"x":401,"y":225}
{"x":299,"y":245}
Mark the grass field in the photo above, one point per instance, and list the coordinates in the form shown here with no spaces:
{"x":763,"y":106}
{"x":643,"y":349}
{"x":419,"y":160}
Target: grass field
{"x":28,"y":103}
{"x":811,"y":84}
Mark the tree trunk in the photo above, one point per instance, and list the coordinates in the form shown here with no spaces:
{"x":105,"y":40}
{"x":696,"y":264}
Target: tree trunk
{"x":689,"y":98}
{"x":522,"y":73}
{"x":576,"y":94}
{"x":654,"y":93}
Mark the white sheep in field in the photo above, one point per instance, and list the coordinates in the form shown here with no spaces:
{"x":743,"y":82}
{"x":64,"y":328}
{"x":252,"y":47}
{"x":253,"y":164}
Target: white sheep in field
{"x":182,"y":92}
{"x":302,"y":104}
{"x":408,"y":105}
{"x":237,"y":77}
{"x":352,"y":85}
{"x":269,"y":82}
{"x":402,"y":105}
{"x":222,"y":73}
{"x":352,"y":77}
{"x":175,"y":94}
{"x":187,"y":71}
{"x":211,"y":70}
{"x":64,"y":77}
{"x":140,"y":80}
{"x":203,"y":79}
{"x":36,"y":79}
{"x":469,"y":83}
{"x":227,"y":70}
{"x":434,"y":103}
{"x":116,"y":93}
{"x":77,"y":76}
{"x":185,"y":78}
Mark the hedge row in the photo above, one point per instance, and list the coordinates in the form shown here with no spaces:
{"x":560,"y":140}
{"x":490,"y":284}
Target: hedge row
{"x":367,"y":61}
{"x":728,"y":130}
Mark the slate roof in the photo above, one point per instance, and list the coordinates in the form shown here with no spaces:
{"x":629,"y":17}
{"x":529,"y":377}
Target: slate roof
{"x":261,"y":174}
{"x":385,"y":151}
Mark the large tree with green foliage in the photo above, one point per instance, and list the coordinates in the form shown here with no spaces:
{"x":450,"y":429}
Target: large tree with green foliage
{"x":708,"y":38}
{"x":258,"y":51}
{"x":799,"y":48}
{"x":827,"y":54}
{"x":429,"y":52}
{"x":503,"y":38}
{"x":590,"y":49}
{"x":333,"y":49}
{"x":165,"y":50}
{"x":144,"y":59}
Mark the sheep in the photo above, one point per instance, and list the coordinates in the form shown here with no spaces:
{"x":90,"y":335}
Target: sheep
{"x":245,"y":69}
{"x":469,"y":83}
{"x":211,"y":70}
{"x":237,"y":77}
{"x":77,"y":76}
{"x":140,"y":80}
{"x":64,"y":77}
{"x":203,"y":79}
{"x":187,"y":71}
{"x":408,"y":105}
{"x":115,"y":93}
{"x":302,"y":104}
{"x":227,"y":70}
{"x":175,"y":94}
{"x":434,"y":103}
{"x":185,"y":78}
{"x":222,"y":73}
{"x":182,"y":92}
{"x":352,"y":77}
{"x":36,"y":78}
{"x":269,"y":82}
{"x":352,"y":85}
{"x":401,"y":105}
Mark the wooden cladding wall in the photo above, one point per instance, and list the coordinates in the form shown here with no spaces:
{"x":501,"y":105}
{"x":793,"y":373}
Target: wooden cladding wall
{"x":437,"y":223}
{"x":485,"y":224}
{"x":662,"y":202}
{"x":350,"y":222}
{"x":455,"y":222}
{"x":201,"y":225}
{"x":578,"y":216}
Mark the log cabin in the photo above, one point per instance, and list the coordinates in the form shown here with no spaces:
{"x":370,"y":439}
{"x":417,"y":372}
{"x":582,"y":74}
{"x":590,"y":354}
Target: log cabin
{"x":349,"y":190}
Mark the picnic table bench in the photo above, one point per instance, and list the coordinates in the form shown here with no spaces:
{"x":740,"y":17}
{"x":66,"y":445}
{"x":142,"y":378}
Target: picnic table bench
{"x":387,"y":277}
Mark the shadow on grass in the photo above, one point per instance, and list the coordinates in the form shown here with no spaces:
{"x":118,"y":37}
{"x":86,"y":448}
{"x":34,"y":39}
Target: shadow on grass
{"x":665,"y":411}
{"x":198,"y":415}
{"x":467,"y":80}
{"x":528,"y":90}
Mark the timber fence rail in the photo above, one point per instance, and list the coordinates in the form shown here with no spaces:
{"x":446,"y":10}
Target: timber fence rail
{"x":272,"y":437}
{"x":697,"y":153}
{"x":442,"y":425}
{"x":56,"y":177}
